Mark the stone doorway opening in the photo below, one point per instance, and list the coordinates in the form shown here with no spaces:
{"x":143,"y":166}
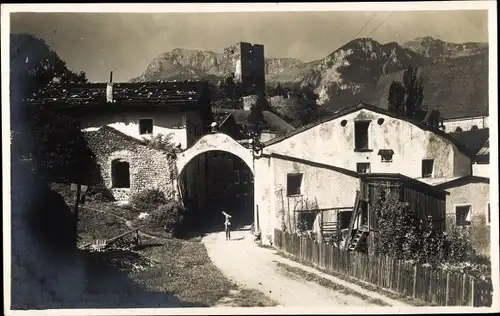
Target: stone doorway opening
{"x":213,"y":182}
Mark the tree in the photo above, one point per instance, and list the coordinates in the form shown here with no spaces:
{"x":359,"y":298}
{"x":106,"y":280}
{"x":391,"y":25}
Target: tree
{"x":52,"y":143}
{"x":412,"y":80}
{"x":309,"y":109}
{"x":397,"y":95}
{"x":406,"y":97}
{"x":256,"y":117}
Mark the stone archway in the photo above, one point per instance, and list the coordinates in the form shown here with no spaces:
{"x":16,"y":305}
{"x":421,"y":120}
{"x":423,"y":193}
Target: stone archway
{"x":216,"y":174}
{"x":216,"y":141}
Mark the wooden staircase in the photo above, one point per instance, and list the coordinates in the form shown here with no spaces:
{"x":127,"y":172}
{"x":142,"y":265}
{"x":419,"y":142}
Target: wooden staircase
{"x":355,"y":213}
{"x":356,"y":240}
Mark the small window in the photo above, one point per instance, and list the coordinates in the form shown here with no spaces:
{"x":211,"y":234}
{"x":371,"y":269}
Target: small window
{"x":293,"y":184}
{"x":344,"y":219}
{"x":236,"y":177}
{"x":458,"y":130}
{"x":380,"y":121}
{"x":427,"y":168}
{"x":474,"y":128}
{"x":462,"y":215}
{"x":386,"y":154}
{"x":305,"y":220}
{"x":361,"y":135}
{"x":120,"y":174}
{"x":343,"y":123}
{"x":146,"y":126}
{"x":363,"y":167}
{"x":245,"y":177}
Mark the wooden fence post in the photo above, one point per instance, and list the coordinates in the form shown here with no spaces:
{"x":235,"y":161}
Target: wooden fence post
{"x":472,"y":294}
{"x":447,"y":288}
{"x":462,"y":295}
{"x":415,"y":281}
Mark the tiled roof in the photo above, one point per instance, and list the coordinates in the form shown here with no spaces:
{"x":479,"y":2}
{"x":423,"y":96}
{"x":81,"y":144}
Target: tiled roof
{"x":474,"y":140}
{"x":458,"y":88}
{"x":123,"y":93}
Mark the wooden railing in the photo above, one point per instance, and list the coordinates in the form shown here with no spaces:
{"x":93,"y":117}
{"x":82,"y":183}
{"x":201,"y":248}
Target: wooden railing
{"x":433,"y":286}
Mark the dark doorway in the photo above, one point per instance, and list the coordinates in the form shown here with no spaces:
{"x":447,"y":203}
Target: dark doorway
{"x":120,"y":174}
{"x":214,"y":182}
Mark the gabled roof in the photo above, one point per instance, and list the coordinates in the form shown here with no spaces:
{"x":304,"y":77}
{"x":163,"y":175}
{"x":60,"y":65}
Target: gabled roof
{"x":153,"y":93}
{"x":474,"y":140}
{"x":376,"y":109}
{"x":485,"y":150}
{"x":274,"y":122}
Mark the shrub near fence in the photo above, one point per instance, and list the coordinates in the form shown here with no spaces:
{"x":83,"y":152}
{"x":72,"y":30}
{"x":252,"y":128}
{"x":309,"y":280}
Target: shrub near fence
{"x":436,"y":287}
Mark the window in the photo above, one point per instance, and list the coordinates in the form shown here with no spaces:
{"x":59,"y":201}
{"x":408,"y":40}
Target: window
{"x":427,"y":168}
{"x":458,"y":130}
{"x":344,"y":219}
{"x":462,"y":215}
{"x":245,"y":176}
{"x":120,"y":174}
{"x":474,"y":128}
{"x":236,"y":177}
{"x":386,"y":154}
{"x":293,"y":183}
{"x":305,"y":220}
{"x":361,"y":135}
{"x":363,"y":167}
{"x":145,"y":126}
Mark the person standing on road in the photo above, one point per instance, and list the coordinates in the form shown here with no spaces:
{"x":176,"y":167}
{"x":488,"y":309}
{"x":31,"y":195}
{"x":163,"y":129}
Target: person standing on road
{"x":227,"y":224}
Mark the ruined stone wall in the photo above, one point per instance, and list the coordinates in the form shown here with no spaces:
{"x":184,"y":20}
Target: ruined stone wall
{"x":149,"y":168}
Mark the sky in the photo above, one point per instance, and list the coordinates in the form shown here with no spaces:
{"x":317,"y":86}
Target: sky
{"x":124,"y":43}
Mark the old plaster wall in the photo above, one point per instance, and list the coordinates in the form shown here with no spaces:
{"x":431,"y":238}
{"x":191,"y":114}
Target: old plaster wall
{"x":333,"y":144}
{"x":322,"y":187}
{"x":149,"y":168}
{"x":476,"y":193}
{"x":171,"y":123}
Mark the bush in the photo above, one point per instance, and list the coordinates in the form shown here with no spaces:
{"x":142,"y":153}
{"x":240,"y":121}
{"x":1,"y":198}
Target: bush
{"x":168,"y":217}
{"x":148,"y":200}
{"x":459,"y":246}
{"x":99,"y":193}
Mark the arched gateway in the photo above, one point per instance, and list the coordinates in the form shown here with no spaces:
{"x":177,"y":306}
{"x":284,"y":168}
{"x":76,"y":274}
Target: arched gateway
{"x":215,"y":142}
{"x":216,"y":175}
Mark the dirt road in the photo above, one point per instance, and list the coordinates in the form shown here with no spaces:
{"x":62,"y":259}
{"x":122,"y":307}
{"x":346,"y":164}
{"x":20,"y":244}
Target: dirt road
{"x":241,"y":260}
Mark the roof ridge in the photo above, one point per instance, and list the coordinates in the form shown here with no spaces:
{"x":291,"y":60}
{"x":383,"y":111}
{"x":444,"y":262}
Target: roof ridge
{"x":373,"y":108}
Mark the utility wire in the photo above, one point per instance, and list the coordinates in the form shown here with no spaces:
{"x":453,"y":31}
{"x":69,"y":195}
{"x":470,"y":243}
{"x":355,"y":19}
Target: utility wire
{"x":361,"y":30}
{"x":379,"y":24}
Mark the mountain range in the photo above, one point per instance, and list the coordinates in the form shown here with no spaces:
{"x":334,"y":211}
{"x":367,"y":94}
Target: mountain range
{"x":455,"y":75}
{"x":347,"y":75}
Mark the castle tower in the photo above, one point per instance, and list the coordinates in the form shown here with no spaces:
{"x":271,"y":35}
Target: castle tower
{"x":247,"y":63}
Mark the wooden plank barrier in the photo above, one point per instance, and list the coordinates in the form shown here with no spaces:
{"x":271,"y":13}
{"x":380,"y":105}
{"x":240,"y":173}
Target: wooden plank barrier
{"x":442,"y":288}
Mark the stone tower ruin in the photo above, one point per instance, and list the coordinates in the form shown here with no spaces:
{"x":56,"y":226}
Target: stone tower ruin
{"x":246,"y":62}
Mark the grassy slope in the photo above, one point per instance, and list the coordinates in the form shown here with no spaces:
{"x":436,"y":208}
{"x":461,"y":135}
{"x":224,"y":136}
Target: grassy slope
{"x":181,"y":267}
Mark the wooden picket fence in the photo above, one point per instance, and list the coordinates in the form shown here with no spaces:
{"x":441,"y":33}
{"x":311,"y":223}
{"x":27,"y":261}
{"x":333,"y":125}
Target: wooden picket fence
{"x":420,"y":282}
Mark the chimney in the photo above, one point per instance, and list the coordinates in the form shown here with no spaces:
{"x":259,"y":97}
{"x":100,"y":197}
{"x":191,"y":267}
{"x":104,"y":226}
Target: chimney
{"x":109,"y":89}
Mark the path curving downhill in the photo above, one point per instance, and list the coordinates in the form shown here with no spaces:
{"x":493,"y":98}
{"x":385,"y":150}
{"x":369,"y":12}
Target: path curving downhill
{"x":247,"y":264}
